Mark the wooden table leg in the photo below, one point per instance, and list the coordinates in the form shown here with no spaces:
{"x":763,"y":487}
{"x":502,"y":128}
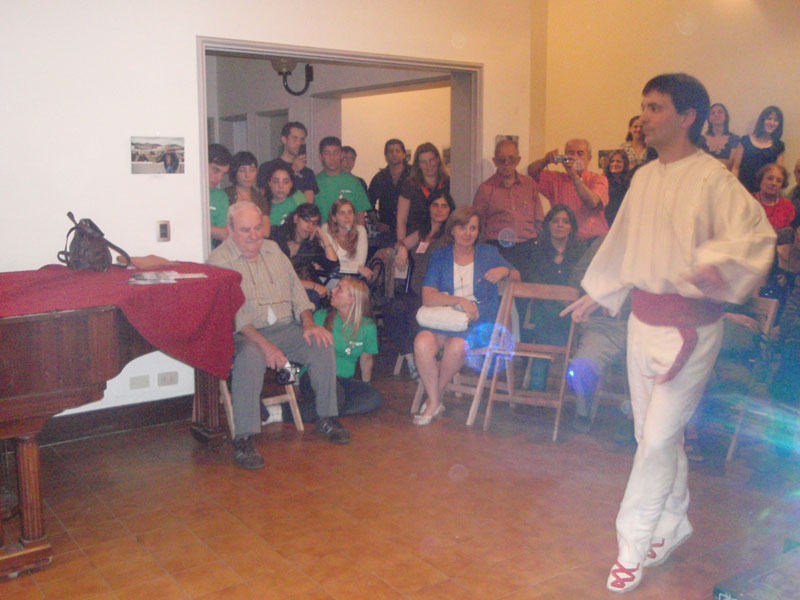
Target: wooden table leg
{"x":206,"y":426}
{"x":33,"y":550}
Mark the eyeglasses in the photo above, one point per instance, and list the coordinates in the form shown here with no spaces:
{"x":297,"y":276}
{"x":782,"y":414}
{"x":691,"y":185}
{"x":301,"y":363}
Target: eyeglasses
{"x":311,"y":220}
{"x":506,"y":160}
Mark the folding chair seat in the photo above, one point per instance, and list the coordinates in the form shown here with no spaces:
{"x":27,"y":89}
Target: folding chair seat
{"x":556,"y":354}
{"x":269,"y":397}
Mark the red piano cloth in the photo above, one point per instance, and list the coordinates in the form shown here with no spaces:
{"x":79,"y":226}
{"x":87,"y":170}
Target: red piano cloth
{"x":191,"y":320}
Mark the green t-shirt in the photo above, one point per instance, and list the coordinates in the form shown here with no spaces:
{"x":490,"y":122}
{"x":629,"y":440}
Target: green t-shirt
{"x":348,"y":351}
{"x":279,"y":210}
{"x":218,"y":205}
{"x":332,"y":187}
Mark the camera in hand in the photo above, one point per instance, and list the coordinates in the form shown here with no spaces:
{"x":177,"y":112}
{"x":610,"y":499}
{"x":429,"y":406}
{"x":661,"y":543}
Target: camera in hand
{"x":562,"y":158}
{"x":287,"y":373}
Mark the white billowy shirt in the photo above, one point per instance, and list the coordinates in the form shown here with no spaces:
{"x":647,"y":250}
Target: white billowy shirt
{"x":675,"y":218}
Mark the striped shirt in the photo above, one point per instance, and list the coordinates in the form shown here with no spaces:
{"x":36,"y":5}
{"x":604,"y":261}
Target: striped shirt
{"x":269,"y":282}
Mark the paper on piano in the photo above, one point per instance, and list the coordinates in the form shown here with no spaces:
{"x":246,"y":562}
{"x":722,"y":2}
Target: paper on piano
{"x":151,"y":277}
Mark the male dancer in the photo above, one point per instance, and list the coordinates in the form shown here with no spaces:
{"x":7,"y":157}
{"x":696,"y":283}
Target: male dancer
{"x":687,"y":238}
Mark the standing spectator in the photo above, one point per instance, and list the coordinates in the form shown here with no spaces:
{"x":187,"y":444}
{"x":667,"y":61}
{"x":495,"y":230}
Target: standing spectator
{"x":293,"y":159}
{"x":244,"y":167}
{"x":760,"y":148}
{"x":334,"y":183}
{"x":282,"y":195}
{"x":219,"y":162}
{"x":634,"y":145}
{"x":619,"y":179}
{"x":349,"y":162}
{"x":385,"y":187}
{"x":718,"y":141}
{"x":508,"y":203}
{"x":428,"y":179}
{"x":586,"y":193}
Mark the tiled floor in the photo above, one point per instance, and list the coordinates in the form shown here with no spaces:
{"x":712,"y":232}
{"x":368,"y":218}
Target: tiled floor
{"x":424,"y":513}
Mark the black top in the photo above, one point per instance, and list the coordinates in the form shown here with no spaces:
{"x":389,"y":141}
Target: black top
{"x":420,"y":195}
{"x":304,"y":180}
{"x":383,"y":192}
{"x":753,"y":158}
{"x":617,"y":188}
{"x":310,"y":262}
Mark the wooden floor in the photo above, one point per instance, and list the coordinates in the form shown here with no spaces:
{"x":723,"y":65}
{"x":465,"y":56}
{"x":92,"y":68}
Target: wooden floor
{"x":439,"y":512}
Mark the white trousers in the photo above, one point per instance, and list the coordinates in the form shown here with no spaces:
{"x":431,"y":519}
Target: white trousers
{"x":657,"y":494}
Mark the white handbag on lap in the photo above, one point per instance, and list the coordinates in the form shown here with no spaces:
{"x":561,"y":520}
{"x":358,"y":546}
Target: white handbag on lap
{"x":444,"y":318}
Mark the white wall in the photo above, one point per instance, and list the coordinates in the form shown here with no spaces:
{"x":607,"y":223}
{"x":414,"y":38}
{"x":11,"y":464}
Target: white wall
{"x":414,"y":117}
{"x":744,"y":51}
{"x":80,"y":78}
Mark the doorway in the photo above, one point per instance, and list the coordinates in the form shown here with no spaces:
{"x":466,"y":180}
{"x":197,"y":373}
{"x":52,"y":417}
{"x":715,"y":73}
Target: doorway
{"x":321,"y":110}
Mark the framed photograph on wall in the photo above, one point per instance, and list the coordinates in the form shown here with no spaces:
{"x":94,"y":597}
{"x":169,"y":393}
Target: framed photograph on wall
{"x":156,"y":155}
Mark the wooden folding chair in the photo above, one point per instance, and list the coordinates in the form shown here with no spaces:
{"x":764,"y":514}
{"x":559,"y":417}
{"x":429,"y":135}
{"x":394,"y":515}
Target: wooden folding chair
{"x":287,"y":396}
{"x":766,"y":310}
{"x":498,"y":350}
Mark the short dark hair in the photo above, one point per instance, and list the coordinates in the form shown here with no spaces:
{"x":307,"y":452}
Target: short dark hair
{"x":768,"y":167}
{"x":219,"y":155}
{"x":759,"y":128}
{"x":287,"y":129}
{"x":725,"y":123}
{"x":241,"y":159}
{"x":349,"y":150}
{"x":686,"y":93}
{"x":330,"y":140}
{"x":393,"y":142}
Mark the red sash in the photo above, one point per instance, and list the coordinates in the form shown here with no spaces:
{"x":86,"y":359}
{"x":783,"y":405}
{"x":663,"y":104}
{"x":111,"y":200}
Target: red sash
{"x":674,"y":310}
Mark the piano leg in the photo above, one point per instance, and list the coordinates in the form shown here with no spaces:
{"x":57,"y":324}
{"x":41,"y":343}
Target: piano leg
{"x":206,"y":426}
{"x":33,"y":551}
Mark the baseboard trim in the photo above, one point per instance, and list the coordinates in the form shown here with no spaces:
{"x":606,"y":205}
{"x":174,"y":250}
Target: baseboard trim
{"x":115,"y":419}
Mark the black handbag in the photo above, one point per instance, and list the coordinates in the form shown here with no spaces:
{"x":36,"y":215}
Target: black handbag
{"x":89,"y":249}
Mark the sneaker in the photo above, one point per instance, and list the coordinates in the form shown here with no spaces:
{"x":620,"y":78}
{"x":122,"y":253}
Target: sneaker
{"x":332,"y":429}
{"x":660,"y":550}
{"x":246,"y":455}
{"x":623,"y":579}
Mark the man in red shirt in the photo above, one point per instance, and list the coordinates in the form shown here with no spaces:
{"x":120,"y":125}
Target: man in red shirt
{"x":508,"y":203}
{"x":586,"y":193}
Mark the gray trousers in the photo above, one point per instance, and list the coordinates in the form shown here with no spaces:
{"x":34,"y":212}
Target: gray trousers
{"x":603,"y":340}
{"x":249,"y":366}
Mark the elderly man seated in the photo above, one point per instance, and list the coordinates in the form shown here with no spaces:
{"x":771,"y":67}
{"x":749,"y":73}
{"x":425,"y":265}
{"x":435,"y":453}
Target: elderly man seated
{"x":273,"y":326}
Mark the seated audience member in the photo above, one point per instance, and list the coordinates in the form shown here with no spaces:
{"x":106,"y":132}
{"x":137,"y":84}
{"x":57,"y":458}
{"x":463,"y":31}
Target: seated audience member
{"x":244,"y":167}
{"x":349,"y":162}
{"x":584,"y":192}
{"x":463,"y":274}
{"x":282,"y":195}
{"x":355,"y":340}
{"x":428,"y":179}
{"x":551,"y":260}
{"x":759,"y":148}
{"x":508,"y":203}
{"x":219,"y":161}
{"x":293,"y":158}
{"x":273,"y":326}
{"x":771,"y":180}
{"x":384,"y":189}
{"x":794,"y":196}
{"x":309,"y":249}
{"x":349,"y":240}
{"x":718,"y":141}
{"x":334,"y":183}
{"x":634,"y":146}
{"x":619,"y":179}
{"x":415,"y":252}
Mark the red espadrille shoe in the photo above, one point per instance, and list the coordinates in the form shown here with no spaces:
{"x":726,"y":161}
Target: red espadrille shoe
{"x":624,"y":579}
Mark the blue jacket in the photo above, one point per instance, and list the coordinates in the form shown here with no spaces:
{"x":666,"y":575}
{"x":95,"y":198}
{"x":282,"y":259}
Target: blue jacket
{"x":440,"y":276}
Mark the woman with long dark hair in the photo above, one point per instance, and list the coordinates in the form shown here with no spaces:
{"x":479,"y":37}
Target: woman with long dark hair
{"x":428,"y":179}
{"x":718,"y":140}
{"x":634,"y":146}
{"x":281,"y":193}
{"x":760,"y":148}
{"x":619,"y":179}
{"x":242,"y":174}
